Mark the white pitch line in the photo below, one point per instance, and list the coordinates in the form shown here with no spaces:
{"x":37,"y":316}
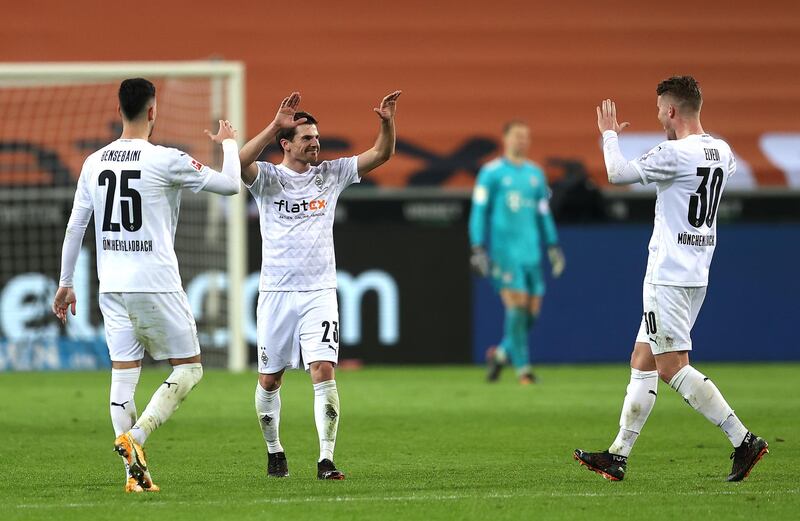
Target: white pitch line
{"x":432,"y":497}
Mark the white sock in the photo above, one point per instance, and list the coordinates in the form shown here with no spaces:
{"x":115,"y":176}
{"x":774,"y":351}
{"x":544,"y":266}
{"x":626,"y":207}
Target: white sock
{"x":705,"y":398}
{"x":326,"y":414}
{"x":166,"y":399}
{"x":122,"y":405}
{"x":734,"y":429}
{"x":639,"y":401}
{"x":268,"y":409}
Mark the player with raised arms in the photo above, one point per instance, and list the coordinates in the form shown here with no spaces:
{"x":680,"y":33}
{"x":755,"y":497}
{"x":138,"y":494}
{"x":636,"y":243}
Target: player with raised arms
{"x":690,"y":171}
{"x":297,"y":308}
{"x":133,"y":188}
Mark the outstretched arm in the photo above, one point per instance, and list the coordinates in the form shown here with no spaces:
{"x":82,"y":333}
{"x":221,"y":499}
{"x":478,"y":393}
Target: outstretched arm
{"x":225,"y":182}
{"x":384,"y":145}
{"x":253,"y":148}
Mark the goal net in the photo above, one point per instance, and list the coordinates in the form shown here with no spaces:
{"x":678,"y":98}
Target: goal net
{"x":51,"y":117}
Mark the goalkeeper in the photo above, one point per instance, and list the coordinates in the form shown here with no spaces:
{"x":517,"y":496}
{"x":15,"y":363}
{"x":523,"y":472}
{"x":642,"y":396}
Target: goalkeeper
{"x":510,"y":217}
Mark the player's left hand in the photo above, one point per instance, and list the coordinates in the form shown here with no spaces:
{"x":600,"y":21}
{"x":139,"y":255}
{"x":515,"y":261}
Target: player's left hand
{"x":388,"y":106}
{"x":607,"y":117}
{"x":226,"y":131}
{"x":480,"y":262}
{"x":557,"y":260}
{"x":64,"y":300}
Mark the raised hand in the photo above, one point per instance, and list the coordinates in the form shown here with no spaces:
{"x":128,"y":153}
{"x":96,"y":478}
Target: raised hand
{"x":388,"y":106}
{"x":226,"y":131}
{"x":607,"y":117}
{"x":64,"y":300}
{"x":285,"y":116}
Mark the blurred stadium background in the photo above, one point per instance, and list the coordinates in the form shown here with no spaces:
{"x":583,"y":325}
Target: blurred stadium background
{"x":406,"y":294}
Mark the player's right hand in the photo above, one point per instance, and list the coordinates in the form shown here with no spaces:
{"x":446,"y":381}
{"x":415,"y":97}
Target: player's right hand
{"x":285,"y":116}
{"x":479,"y":261}
{"x":226,"y":131}
{"x":607,"y":117}
{"x":64,"y":300}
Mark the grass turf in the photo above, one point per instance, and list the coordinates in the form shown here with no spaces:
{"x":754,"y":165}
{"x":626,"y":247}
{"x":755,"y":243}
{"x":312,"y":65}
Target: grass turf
{"x":416,"y":443}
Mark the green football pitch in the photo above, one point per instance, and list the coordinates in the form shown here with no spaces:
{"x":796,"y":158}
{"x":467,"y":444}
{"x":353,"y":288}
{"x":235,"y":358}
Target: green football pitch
{"x":415,"y":443}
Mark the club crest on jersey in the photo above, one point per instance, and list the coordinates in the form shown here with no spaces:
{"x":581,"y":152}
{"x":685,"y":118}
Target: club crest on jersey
{"x":318,"y":181}
{"x":264,"y":357}
{"x":197,"y":165}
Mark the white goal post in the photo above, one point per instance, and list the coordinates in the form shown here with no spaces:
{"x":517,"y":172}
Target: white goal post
{"x":53,"y":115}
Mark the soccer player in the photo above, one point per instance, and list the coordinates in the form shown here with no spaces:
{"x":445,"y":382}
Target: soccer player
{"x":510,"y":216}
{"x":133,"y":188}
{"x":690,"y":171}
{"x":297,"y":309}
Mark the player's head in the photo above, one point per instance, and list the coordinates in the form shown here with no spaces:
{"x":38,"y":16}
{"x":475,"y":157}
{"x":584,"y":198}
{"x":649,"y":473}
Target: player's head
{"x":137,"y":101}
{"x":301,"y":143}
{"x":679,"y":99}
{"x":516,"y":138}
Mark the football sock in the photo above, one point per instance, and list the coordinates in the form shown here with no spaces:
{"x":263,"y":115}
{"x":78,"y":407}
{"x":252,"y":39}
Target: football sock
{"x":705,"y":398}
{"x":326,"y":415}
{"x":166,"y":399}
{"x":532,"y":318}
{"x":734,"y":429}
{"x":268,"y":409}
{"x":123,"y":407}
{"x":516,"y":330}
{"x":639,"y":401}
{"x":530,"y":322}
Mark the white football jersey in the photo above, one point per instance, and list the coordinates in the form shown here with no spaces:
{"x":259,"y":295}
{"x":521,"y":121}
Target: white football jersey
{"x":134,"y":189}
{"x":296,"y":212}
{"x":690,"y":175}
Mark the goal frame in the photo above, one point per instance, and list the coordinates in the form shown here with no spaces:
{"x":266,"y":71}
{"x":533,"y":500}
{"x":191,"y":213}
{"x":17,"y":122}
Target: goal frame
{"x":233,"y":73}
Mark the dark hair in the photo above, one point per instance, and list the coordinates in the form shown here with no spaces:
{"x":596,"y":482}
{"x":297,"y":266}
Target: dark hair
{"x":508,"y":125}
{"x":288,"y":133}
{"x":684,"y":90}
{"x":134,"y":95}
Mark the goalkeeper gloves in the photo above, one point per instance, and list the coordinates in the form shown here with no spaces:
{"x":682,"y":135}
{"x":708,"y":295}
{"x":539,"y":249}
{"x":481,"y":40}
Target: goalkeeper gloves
{"x":557,"y":261}
{"x":479,"y":261}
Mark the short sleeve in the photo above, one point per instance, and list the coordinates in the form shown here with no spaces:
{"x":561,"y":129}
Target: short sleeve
{"x":265,"y":178}
{"x":732,"y":164}
{"x":187,"y":172}
{"x":659,"y":164}
{"x":345,"y":171}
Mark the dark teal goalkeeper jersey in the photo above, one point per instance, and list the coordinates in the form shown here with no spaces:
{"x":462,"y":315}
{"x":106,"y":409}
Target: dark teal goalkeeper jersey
{"x":510,"y":213}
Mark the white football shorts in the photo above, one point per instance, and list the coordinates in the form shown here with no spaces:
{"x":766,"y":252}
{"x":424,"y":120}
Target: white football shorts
{"x":160,"y":323}
{"x":291,"y":323}
{"x":669,"y":314}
